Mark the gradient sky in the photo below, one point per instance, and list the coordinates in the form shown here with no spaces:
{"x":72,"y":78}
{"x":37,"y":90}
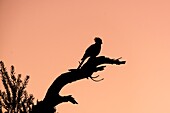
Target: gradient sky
{"x":44,"y":38}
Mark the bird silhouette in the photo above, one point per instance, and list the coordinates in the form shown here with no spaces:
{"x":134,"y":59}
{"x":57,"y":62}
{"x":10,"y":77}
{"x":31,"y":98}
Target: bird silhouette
{"x":92,"y":51}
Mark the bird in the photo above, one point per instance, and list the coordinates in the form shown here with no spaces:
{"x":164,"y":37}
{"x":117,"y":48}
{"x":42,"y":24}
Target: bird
{"x":92,"y":51}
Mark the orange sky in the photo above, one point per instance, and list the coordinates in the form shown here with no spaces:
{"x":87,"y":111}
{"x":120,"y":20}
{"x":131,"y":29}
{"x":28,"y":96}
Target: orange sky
{"x":44,"y":38}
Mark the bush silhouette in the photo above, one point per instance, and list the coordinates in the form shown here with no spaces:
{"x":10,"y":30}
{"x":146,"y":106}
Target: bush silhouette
{"x":15,"y":98}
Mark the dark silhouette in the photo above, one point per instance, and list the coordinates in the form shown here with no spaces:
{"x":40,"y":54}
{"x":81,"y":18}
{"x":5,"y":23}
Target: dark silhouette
{"x":9,"y":99}
{"x":53,"y":98}
{"x":15,"y":98}
{"x":93,"y":64}
{"x":92,"y":51}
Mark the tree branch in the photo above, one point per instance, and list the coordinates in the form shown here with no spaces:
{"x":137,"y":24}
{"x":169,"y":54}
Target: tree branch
{"x":52,"y":97}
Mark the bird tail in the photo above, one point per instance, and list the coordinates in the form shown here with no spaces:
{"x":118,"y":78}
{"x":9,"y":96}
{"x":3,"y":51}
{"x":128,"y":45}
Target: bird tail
{"x":82,"y":61}
{"x":84,"y":57}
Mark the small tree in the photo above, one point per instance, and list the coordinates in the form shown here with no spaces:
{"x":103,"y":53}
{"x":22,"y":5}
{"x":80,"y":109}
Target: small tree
{"x":15,"y":98}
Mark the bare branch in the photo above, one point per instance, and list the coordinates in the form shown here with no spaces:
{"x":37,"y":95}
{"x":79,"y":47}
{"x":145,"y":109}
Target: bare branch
{"x":52,"y":97}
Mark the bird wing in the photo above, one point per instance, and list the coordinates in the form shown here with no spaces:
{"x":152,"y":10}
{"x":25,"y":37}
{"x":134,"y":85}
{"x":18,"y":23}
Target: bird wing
{"x":89,"y":51}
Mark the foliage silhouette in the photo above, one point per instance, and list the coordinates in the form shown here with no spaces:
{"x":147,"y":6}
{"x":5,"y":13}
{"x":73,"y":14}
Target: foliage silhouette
{"x":15,"y":98}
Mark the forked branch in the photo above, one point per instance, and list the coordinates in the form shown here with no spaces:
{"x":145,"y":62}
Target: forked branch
{"x":52,"y":97}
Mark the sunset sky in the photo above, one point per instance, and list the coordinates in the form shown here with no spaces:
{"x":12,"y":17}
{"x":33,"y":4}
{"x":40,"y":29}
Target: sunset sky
{"x":45,"y":38}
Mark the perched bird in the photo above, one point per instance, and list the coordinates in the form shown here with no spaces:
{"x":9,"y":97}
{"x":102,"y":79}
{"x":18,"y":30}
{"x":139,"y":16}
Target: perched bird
{"x":92,"y":51}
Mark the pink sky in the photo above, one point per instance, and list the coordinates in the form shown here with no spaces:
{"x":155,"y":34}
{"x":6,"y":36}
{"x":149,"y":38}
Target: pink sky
{"x":44,"y":38}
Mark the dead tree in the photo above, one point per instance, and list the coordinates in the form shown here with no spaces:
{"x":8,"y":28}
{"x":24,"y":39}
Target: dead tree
{"x":52,"y":97}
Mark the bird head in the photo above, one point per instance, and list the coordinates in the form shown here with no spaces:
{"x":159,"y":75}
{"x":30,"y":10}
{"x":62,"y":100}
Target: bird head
{"x":98,"y":40}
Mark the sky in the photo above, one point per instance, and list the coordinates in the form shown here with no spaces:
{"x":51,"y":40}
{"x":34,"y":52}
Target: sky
{"x":45,"y":38}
